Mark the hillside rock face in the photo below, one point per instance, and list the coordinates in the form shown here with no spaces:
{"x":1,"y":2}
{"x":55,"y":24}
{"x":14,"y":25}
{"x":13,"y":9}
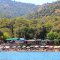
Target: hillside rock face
{"x":46,"y":9}
{"x":12,"y":9}
{"x":9,"y":8}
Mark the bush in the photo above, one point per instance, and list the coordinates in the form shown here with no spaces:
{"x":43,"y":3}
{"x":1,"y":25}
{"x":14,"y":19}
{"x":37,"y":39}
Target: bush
{"x":52,"y":35}
{"x":6,"y":35}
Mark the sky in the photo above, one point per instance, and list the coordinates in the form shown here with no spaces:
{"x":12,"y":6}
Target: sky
{"x":37,"y":2}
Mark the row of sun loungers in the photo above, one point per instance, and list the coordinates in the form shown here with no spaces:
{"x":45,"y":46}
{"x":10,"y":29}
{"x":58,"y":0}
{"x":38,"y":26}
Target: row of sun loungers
{"x":29,"y":48}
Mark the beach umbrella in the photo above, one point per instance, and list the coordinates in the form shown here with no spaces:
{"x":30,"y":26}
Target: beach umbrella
{"x":42,"y":46}
{"x":28,"y":47}
{"x":7,"y":47}
{"x":55,"y":47}
{"x":13,"y":46}
{"x":23,"y":46}
{"x":32,"y":46}
{"x":36,"y":46}
{"x":46,"y":46}
{"x":50,"y":46}
{"x":18,"y":46}
{"x":58,"y":46}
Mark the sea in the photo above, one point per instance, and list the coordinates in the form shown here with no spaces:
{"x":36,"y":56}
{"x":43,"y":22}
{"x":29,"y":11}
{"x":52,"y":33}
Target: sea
{"x":29,"y":55}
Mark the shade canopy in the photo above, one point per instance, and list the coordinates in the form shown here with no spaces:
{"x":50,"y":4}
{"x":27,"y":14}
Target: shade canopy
{"x":22,"y":39}
{"x":14,"y":39}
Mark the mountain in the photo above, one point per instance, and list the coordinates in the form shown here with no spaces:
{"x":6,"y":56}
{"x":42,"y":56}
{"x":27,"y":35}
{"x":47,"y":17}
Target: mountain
{"x":46,"y":9}
{"x":9,"y":8}
{"x":12,"y":9}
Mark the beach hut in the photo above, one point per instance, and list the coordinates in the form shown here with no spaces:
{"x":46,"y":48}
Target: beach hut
{"x":31,"y":42}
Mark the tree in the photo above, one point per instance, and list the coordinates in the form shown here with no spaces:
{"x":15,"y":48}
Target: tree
{"x":43,"y":33}
{"x":52,"y":35}
{"x":6,"y":35}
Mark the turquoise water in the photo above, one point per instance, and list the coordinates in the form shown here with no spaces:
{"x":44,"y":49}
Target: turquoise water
{"x":29,"y":55}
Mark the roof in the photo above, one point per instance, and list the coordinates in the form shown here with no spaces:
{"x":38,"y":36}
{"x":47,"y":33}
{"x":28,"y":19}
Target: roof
{"x":12,"y":39}
{"x":19,"y":39}
{"x":22,"y":39}
{"x":30,"y":40}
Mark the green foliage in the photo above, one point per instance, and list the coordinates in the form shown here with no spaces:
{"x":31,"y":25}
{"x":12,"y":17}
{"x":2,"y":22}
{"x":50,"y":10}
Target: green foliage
{"x":46,"y":9}
{"x":1,"y":35}
{"x":6,"y":35}
{"x":35,"y":28}
{"x":58,"y":38}
{"x":42,"y":24}
{"x":52,"y":35}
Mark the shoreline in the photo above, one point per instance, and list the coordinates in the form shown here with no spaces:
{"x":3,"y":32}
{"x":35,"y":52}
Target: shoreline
{"x":32,"y":48}
{"x":29,"y":50}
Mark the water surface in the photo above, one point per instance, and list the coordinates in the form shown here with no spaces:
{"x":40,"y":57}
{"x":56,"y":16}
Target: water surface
{"x":29,"y":55}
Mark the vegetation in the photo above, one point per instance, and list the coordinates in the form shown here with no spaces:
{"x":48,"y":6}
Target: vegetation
{"x":46,"y":9}
{"x":39,"y":25}
{"x":52,"y":35}
{"x":43,"y":28}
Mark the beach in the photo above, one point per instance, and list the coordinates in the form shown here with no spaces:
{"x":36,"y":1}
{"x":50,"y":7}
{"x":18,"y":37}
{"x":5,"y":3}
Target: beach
{"x":47,"y":48}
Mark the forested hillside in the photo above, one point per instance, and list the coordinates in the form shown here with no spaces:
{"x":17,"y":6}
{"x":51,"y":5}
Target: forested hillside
{"x":44,"y":27}
{"x":44,"y":23}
